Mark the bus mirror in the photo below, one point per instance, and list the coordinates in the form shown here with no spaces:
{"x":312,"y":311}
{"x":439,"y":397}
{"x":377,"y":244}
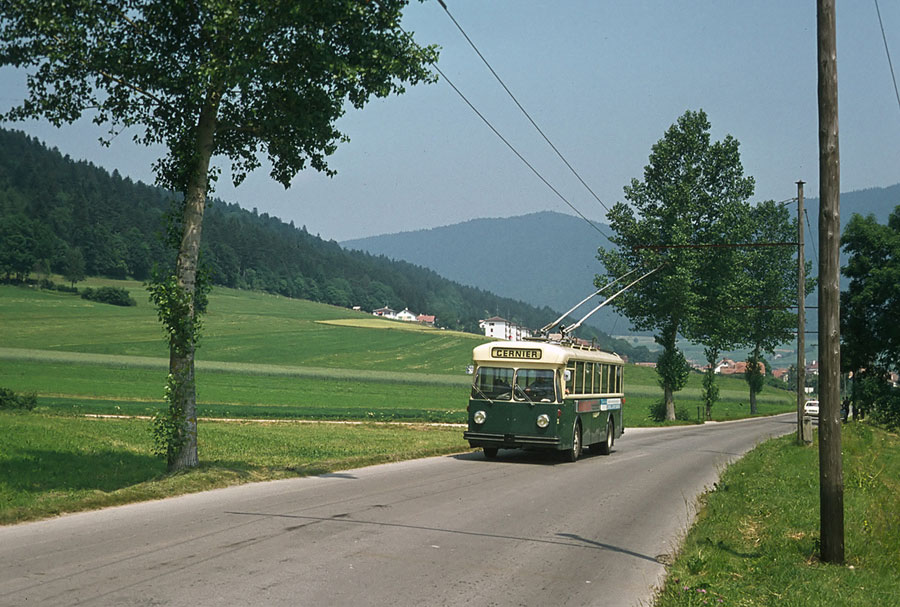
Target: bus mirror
{"x":568,"y":375}
{"x":470,"y":370}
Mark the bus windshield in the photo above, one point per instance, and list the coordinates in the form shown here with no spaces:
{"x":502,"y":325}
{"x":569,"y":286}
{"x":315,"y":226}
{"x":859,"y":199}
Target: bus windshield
{"x":536,"y":385}
{"x":493,"y":383}
{"x":531,"y":385}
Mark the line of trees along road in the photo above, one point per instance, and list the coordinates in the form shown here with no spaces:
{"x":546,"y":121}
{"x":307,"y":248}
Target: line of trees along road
{"x":691,"y":215}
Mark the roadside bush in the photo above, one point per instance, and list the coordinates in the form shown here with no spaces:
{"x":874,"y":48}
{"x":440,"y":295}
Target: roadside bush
{"x":658,"y":412}
{"x":49,"y":285}
{"x":876,"y":398}
{"x":11,"y":400}
{"x":116,"y":296}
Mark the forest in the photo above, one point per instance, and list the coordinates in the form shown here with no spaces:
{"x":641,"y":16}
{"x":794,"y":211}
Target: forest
{"x":76,"y":219}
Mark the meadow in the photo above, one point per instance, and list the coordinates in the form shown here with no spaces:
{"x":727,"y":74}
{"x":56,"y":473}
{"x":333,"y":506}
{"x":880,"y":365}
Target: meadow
{"x":265,"y":364}
{"x":266,"y":356}
{"x":51,"y":464}
{"x":756,"y":539}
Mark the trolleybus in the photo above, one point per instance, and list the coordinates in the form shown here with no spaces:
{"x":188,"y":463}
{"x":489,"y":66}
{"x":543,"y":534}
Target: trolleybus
{"x":545,"y":395}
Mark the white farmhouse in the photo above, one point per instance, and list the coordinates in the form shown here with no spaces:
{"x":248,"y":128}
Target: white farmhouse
{"x":406,"y":316}
{"x":500,"y":328}
{"x":385,"y":313}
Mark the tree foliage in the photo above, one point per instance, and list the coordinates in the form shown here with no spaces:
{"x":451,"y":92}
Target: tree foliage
{"x":232,"y":79}
{"x":768,"y":288}
{"x":693,"y":193}
{"x":870,"y":309}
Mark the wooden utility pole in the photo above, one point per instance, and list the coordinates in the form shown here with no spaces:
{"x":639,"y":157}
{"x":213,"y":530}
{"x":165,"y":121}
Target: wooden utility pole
{"x":831,"y":479}
{"x":801,"y":320}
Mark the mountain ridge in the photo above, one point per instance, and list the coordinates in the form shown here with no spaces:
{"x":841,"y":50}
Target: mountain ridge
{"x":566,"y":249}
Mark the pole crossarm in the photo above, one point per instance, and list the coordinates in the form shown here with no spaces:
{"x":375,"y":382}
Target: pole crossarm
{"x":658,"y":247}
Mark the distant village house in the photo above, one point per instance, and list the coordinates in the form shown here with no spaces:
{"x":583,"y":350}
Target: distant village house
{"x":500,"y":328}
{"x":405,"y":315}
{"x":729,"y":367}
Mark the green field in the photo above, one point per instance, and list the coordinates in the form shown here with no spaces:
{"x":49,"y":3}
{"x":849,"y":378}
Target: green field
{"x":50,"y":464}
{"x":241,"y":327}
{"x":265,"y":356}
{"x":262,"y":357}
{"x":756,"y":538}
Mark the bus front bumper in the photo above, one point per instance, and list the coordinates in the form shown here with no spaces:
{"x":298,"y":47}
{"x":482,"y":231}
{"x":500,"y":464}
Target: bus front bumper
{"x":510,"y":441}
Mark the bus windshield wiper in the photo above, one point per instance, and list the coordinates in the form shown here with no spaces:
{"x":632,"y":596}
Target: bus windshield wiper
{"x":522,"y":392}
{"x":475,"y":387}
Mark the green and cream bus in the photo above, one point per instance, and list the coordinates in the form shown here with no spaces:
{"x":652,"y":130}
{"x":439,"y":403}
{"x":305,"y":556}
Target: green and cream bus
{"x":545,"y":395}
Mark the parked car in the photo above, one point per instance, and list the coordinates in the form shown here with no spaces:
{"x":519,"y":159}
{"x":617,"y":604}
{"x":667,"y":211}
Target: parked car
{"x":811,"y":408}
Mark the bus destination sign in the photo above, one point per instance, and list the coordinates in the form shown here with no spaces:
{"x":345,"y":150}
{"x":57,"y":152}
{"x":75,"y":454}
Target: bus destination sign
{"x":526,"y":353}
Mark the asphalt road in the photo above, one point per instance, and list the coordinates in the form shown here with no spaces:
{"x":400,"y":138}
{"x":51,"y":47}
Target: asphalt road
{"x":456,"y":530}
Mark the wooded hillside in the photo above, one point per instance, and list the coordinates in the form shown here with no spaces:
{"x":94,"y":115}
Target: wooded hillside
{"x":54,"y":209}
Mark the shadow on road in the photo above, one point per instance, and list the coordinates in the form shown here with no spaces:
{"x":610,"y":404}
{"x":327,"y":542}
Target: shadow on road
{"x":575,"y":540}
{"x":522,"y":456}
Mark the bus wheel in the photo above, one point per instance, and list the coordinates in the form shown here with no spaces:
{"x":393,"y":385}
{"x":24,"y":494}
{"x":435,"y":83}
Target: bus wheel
{"x":575,"y":451}
{"x":490,"y":452}
{"x":606,"y":446}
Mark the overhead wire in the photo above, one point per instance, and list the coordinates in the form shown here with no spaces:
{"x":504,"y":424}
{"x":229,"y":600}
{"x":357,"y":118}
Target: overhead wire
{"x":510,"y":145}
{"x":549,"y":326}
{"x":811,"y":241}
{"x":519,"y":105}
{"x":887,"y":52}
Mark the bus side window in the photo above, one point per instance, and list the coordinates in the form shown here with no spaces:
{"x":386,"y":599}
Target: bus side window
{"x":579,"y":378}
{"x":570,"y":380}
{"x":619,"y":374}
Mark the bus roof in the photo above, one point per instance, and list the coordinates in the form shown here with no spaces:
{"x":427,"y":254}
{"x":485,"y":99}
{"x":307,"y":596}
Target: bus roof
{"x":517,"y":352}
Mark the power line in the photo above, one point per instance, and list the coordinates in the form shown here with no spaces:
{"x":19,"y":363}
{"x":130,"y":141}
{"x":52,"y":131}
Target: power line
{"x":811,"y":241}
{"x":519,"y":105}
{"x":746,"y":245}
{"x":508,"y":144}
{"x":516,"y":152}
{"x":887,"y":52}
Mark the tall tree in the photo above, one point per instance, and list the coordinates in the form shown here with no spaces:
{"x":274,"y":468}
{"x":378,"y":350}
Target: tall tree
{"x":692,"y":189}
{"x":73,"y":269}
{"x":870,"y":308}
{"x":718,"y":325}
{"x":16,"y":246}
{"x":769,"y":288}
{"x":238,"y":79}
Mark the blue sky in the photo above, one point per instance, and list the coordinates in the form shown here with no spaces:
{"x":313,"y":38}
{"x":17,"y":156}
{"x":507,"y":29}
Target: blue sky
{"x":604,"y":80}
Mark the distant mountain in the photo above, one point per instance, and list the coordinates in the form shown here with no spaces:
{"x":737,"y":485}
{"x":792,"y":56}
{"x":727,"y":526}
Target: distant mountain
{"x":875,"y":201}
{"x":550,"y":259}
{"x":872,"y":201}
{"x":546,"y":259}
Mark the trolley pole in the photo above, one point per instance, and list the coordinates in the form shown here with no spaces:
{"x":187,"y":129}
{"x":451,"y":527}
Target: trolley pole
{"x":831,"y":480}
{"x":801,"y":320}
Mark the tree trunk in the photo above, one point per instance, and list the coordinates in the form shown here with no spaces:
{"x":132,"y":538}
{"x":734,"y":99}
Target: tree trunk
{"x":710,"y":390}
{"x":752,"y":401}
{"x":670,"y":402}
{"x":665,"y":366}
{"x":181,"y":356}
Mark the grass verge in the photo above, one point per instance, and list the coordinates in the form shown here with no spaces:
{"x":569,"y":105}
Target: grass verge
{"x":756,"y":538}
{"x":53,"y":464}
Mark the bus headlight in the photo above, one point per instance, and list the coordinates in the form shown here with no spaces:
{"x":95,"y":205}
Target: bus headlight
{"x":479,"y":417}
{"x":543,"y":421}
